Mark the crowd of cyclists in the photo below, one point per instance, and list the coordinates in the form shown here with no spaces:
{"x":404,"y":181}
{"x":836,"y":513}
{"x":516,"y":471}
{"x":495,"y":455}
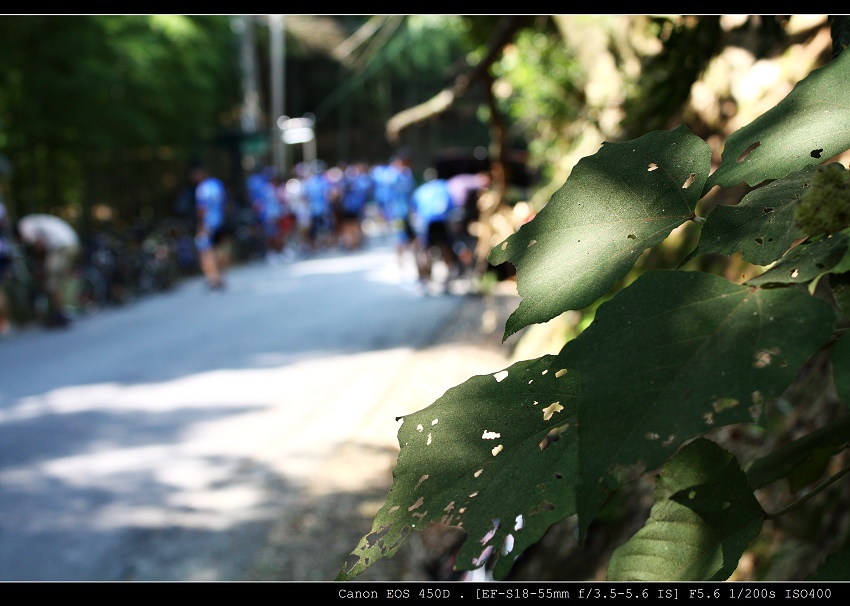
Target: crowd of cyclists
{"x":319,"y":208}
{"x":280,"y":218}
{"x":328,"y":207}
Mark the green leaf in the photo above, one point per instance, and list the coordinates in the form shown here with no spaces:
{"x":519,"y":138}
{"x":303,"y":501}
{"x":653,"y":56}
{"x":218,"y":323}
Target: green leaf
{"x":840,"y":284}
{"x":806,"y":262}
{"x":809,"y":126}
{"x":841,"y":368}
{"x":622,"y":200}
{"x":674,"y":355}
{"x":785,"y":459}
{"x":704,"y":517}
{"x":495,"y":455}
{"x":761,"y":226}
{"x":810,"y":469}
{"x":835,"y":568}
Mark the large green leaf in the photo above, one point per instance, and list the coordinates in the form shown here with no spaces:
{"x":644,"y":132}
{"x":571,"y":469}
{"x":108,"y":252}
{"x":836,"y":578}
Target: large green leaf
{"x":674,"y":355}
{"x":625,"y":198}
{"x":806,"y":262}
{"x":809,"y":126}
{"x":840,"y":284}
{"x":761,"y":226}
{"x":841,"y":368}
{"x":495,"y":455}
{"x":835,"y":568}
{"x":784,"y":460}
{"x":703,"y":519}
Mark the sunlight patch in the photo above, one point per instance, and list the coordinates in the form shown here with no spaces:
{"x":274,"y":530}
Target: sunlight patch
{"x":724,"y":404}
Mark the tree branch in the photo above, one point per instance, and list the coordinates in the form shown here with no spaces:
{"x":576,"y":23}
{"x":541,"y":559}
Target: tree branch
{"x":445,"y":98}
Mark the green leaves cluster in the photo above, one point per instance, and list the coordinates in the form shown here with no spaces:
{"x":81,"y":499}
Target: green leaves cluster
{"x":78,"y":93}
{"x":667,"y":360}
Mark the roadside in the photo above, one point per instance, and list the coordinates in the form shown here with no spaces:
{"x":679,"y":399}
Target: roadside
{"x":320,"y":527}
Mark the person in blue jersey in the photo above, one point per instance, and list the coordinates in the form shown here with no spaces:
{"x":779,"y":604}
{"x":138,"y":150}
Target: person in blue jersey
{"x":430,"y":206}
{"x":317,"y":190}
{"x":5,"y":268}
{"x":394,"y":185}
{"x":267,"y":208}
{"x":356,"y":194}
{"x":210,"y":237}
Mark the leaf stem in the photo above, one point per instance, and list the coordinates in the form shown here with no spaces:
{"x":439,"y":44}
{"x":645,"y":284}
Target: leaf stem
{"x":819,"y":489}
{"x":698,"y":219}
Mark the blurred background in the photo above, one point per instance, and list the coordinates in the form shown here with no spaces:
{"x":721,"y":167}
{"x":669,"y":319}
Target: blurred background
{"x":103,"y":116}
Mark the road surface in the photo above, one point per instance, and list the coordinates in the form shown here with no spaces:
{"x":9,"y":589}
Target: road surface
{"x":167,"y":439}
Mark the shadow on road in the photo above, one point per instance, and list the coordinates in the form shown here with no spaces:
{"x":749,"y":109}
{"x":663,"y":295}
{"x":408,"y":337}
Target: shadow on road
{"x":136,"y":459}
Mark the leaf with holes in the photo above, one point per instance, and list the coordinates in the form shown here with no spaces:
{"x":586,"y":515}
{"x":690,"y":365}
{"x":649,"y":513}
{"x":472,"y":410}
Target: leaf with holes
{"x":806,"y":128}
{"x":762,"y":225}
{"x":675,"y":355}
{"x":704,"y":517}
{"x":622,"y":200}
{"x":495,"y":455}
{"x":806,"y":262}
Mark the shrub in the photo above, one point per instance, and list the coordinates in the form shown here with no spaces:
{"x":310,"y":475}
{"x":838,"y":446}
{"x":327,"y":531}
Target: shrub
{"x":668,"y":359}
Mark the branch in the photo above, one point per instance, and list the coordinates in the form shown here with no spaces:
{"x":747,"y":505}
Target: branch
{"x":819,"y":489}
{"x":445,"y":98}
{"x":342,"y":52}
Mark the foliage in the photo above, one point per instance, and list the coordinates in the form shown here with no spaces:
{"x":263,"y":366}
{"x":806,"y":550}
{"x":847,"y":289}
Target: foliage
{"x":670,"y":358}
{"x":825,"y":206}
{"x":78,"y":93}
{"x":542,"y":107}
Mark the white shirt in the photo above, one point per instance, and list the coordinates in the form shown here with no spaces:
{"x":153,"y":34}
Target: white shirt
{"x":56,"y":233}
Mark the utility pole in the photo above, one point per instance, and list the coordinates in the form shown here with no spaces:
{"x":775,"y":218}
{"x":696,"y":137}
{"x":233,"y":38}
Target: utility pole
{"x":248,"y":63}
{"x":277,"y":79}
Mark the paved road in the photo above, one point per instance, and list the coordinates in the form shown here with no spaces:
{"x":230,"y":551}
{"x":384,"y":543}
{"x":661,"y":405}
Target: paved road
{"x":162,"y":440}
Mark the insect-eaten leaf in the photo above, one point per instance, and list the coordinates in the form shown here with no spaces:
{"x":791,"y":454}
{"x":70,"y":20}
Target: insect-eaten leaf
{"x":704,"y":517}
{"x":761,"y":225}
{"x":622,"y":200}
{"x":499,"y":461}
{"x":806,"y":262}
{"x":810,"y":118}
{"x":675,"y":355}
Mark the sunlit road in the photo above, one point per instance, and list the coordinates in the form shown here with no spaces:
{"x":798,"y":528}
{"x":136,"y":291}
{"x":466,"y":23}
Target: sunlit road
{"x":154,"y":441}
